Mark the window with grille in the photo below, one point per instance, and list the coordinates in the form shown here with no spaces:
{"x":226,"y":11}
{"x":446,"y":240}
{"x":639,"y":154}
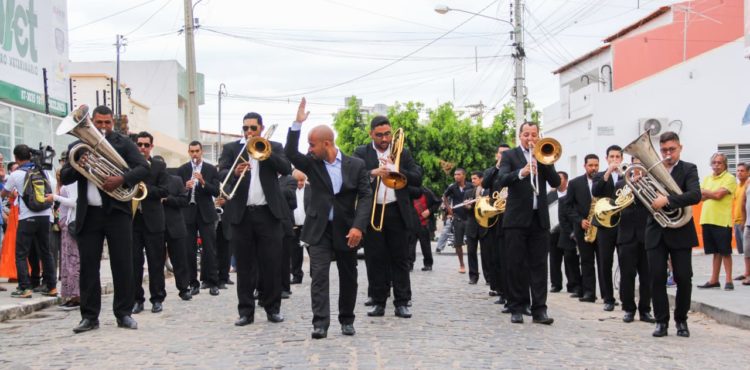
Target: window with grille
{"x":738,"y":153}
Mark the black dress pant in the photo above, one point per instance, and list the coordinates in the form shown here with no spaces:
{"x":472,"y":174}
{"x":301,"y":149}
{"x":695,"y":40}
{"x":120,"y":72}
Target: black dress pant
{"x":209,"y":270}
{"x":153,"y":243}
{"x":588,"y":253}
{"x":572,"y":269}
{"x":389,"y":258}
{"x":527,"y":262}
{"x":321,"y":256}
{"x":296,"y":255}
{"x":34,"y":231}
{"x":223,"y":255}
{"x":682,"y":269}
{"x":473,"y":259}
{"x":257,"y":243}
{"x":501,"y":259}
{"x":605,"y":242}
{"x":116,"y":226}
{"x":488,"y":259}
{"x":287,"y":245}
{"x":178,"y":257}
{"x":632,"y":257}
{"x":555,"y":261}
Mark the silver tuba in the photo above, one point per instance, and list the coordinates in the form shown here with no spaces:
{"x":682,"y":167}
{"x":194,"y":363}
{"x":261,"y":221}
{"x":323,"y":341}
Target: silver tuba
{"x":102,"y":160}
{"x":655,"y":181}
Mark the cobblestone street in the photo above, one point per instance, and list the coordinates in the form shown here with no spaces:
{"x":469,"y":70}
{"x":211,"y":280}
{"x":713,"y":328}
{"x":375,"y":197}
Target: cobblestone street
{"x":455,"y":325}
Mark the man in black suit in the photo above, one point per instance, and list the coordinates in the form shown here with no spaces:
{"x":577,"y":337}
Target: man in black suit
{"x":563,"y":249}
{"x":288,"y":185}
{"x":526,"y":224}
{"x":554,"y":197}
{"x":255,"y":213}
{"x":303,"y":195}
{"x":491,"y":181}
{"x":175,"y":233}
{"x":202,"y":181}
{"x":475,"y":233}
{"x":100,"y":216}
{"x":578,"y":205}
{"x":632,"y":257}
{"x":388,"y":248}
{"x":336,"y":219}
{"x":148,"y":230}
{"x":675,"y":243}
{"x":223,"y":248}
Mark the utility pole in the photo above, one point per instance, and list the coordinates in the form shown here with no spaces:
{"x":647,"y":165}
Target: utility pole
{"x":120,"y":42}
{"x":222,"y":92}
{"x":519,"y":55}
{"x":192,"y":79}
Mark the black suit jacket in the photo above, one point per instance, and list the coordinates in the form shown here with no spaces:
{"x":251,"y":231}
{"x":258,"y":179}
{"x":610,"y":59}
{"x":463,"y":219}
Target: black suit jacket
{"x":177,"y":198}
{"x":686,"y":176}
{"x":351,"y":206}
{"x":204,"y":194}
{"x":578,"y":202}
{"x":288,"y":185}
{"x":632,"y":224}
{"x":137,"y":173}
{"x":519,"y":205}
{"x":157,"y":183}
{"x":491,"y":180}
{"x":473,"y":229}
{"x":566,"y":240}
{"x":269,"y":171}
{"x":407,"y":167}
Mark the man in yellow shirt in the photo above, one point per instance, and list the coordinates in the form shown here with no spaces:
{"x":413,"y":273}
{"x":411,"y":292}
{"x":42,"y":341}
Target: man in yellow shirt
{"x":717,"y":192}
{"x":740,"y":218}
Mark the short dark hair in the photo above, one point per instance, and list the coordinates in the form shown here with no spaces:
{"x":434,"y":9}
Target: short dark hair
{"x":563,"y":173}
{"x":669,"y":136}
{"x":590,"y":156}
{"x":459,"y":169}
{"x":479,"y":174}
{"x":253,"y":115}
{"x":196,"y":142}
{"x":10,"y":165}
{"x":146,"y":135}
{"x":614,"y":147}
{"x":379,"y":121}
{"x":503,"y":145}
{"x":528,"y":123}
{"x":102,"y":110}
{"x":744,"y":165}
{"x":22,"y":152}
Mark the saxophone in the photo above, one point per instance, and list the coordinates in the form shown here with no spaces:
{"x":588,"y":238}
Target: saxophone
{"x":590,"y":233}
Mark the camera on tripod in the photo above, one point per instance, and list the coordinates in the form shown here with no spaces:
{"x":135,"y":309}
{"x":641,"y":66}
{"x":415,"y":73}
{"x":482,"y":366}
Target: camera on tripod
{"x":43,"y":157}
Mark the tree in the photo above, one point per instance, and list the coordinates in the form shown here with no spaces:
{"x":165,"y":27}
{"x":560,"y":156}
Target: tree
{"x":351,"y":127}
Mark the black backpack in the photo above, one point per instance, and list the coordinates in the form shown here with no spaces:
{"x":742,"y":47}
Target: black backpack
{"x":35,"y":187}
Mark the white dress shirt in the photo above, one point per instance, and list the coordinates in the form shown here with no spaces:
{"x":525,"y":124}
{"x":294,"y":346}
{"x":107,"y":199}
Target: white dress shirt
{"x":384,"y":191}
{"x":255,"y":195}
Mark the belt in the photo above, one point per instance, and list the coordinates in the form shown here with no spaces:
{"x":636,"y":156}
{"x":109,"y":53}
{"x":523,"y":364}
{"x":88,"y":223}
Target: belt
{"x":256,"y":207}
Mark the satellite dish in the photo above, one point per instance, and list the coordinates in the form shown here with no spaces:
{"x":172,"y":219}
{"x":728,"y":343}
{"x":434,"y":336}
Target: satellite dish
{"x":653,"y":126}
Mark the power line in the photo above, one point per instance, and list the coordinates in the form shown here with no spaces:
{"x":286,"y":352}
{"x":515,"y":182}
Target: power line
{"x":149,"y":18}
{"x":112,"y":15}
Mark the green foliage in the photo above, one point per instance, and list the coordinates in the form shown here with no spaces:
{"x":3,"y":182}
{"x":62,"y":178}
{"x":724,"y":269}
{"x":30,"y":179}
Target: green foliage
{"x":439,"y":142}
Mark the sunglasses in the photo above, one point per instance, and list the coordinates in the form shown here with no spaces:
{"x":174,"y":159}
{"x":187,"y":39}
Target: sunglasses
{"x":143,"y":145}
{"x":251,"y":128}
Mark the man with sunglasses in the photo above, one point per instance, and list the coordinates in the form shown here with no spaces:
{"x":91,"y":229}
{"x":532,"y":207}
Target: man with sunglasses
{"x":387,"y":250}
{"x":202,"y":182}
{"x":148,"y":229}
{"x":100,"y":216}
{"x":255,"y":214}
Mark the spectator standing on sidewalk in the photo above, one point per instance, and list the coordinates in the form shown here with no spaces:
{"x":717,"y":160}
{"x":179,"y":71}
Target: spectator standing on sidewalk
{"x":67,"y":195}
{"x":717,"y":191}
{"x":738,"y":215}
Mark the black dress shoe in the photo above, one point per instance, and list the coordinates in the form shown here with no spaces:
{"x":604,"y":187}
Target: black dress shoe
{"x":472,"y":282}
{"x":137,"y":307}
{"x":127,"y":322}
{"x":527,"y":311}
{"x":505,"y":310}
{"x":628,"y":317}
{"x":609,"y":307}
{"x":369,"y":302}
{"x":194,"y":291}
{"x":647,"y":317}
{"x":500,"y":300}
{"x":588,"y":298}
{"x":661,"y":330}
{"x":86,"y":325}
{"x":555,"y":289}
{"x":403,"y":312}
{"x":516,"y":318}
{"x":275,"y":317}
{"x":222,"y":285}
{"x":204,"y":285}
{"x":319,"y":333}
{"x":575,"y":295}
{"x":285,"y":295}
{"x":682,"y":329}
{"x":348,"y":329}
{"x":229,"y":282}
{"x":213,"y":291}
{"x":376,"y":310}
{"x":186,"y":296}
{"x":244,"y":320}
{"x":427,"y":268}
{"x":542,"y":318}
{"x":156,"y":307}
{"x":492,"y":293}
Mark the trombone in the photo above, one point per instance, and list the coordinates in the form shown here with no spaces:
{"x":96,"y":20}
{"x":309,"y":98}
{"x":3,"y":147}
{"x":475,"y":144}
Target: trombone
{"x":258,"y":148}
{"x":394,"y":179}
{"x":545,"y":151}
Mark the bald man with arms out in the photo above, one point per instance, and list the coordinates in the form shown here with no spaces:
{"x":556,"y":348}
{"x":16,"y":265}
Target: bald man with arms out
{"x":335,"y":220}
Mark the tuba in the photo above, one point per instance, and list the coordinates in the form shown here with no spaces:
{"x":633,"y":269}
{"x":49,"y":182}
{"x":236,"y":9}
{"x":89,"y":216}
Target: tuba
{"x":485,"y":212}
{"x":394,"y":179}
{"x":607,"y":210}
{"x":102,"y":160}
{"x":655,"y":181}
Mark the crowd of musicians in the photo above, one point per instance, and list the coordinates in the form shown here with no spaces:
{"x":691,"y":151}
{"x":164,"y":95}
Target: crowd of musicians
{"x":264,"y":199}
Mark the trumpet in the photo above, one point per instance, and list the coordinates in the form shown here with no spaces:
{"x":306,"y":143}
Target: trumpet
{"x":258,"y":148}
{"x":545,"y":151}
{"x":394,"y":179}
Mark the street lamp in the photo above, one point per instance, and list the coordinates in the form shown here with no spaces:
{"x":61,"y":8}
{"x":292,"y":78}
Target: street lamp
{"x":442,"y":9}
{"x":222,"y":92}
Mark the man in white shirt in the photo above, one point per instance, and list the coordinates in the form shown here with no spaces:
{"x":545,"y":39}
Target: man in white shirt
{"x":297,"y":252}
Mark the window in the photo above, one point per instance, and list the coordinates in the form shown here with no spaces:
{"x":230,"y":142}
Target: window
{"x":735,"y":154}
{"x":5,"y":144}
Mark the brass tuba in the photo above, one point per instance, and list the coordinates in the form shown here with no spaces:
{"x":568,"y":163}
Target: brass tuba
{"x":654,"y":181}
{"x":607,"y":210}
{"x":394,"y":179}
{"x":102,"y":160}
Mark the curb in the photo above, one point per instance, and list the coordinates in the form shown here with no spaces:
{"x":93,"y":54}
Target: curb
{"x":23,"y":308}
{"x":721,"y":315}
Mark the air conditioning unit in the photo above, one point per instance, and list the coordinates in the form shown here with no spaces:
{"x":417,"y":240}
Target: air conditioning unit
{"x":655,"y":125}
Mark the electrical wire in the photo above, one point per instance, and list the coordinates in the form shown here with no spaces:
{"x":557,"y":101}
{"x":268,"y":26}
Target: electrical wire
{"x":149,"y":18}
{"x":111,"y":15}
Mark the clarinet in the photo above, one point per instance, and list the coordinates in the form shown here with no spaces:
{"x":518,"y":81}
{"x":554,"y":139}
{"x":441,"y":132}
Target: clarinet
{"x":195,"y":183}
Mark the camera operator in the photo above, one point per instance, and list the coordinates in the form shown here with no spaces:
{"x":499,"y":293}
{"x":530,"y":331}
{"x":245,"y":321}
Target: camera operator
{"x":33,"y":226}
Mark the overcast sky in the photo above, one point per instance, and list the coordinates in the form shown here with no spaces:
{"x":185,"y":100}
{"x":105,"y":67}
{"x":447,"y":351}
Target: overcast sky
{"x":270,"y":53}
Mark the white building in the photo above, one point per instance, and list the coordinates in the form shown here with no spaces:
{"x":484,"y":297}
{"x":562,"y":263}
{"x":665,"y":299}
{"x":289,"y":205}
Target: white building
{"x":654,"y":74}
